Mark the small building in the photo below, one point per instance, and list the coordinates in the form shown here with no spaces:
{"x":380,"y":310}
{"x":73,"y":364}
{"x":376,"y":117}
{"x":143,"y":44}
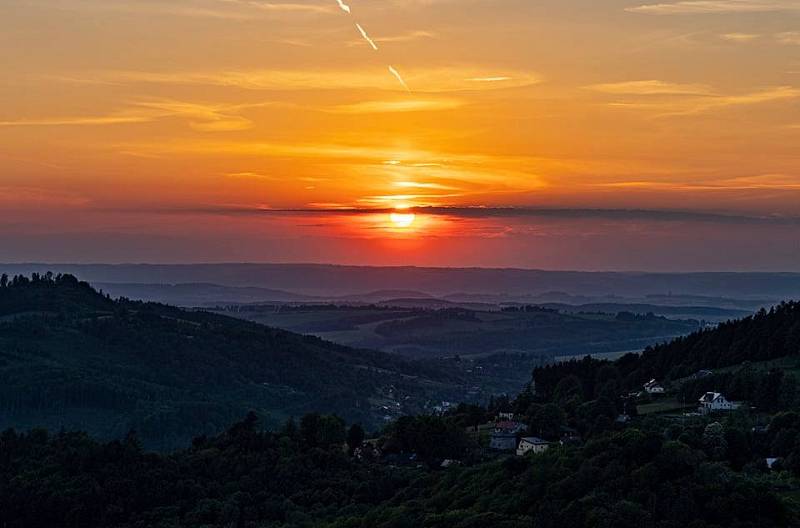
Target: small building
{"x":532,"y":444}
{"x":503,"y":441}
{"x":653,"y":387}
{"x":711,"y":402}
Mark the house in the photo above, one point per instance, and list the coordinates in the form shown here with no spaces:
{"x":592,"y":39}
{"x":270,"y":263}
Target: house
{"x":503,"y":441}
{"x":653,"y":387}
{"x":711,"y":402}
{"x":532,"y":444}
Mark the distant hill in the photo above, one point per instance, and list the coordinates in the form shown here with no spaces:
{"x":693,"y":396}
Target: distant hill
{"x":330,"y":280}
{"x":708,"y":313}
{"x":70,"y":357}
{"x":440,"y":329}
{"x":384,"y":295}
{"x":198,"y":294}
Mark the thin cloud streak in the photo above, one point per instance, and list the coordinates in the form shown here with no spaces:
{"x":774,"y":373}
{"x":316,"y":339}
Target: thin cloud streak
{"x":651,"y":87}
{"x":656,"y":215}
{"x":715,"y":6}
{"x":386,"y":107}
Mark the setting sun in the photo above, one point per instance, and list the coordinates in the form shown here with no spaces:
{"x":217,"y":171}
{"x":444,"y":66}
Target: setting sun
{"x":402,"y":220}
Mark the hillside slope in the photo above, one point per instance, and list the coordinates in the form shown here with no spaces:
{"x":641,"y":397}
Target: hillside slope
{"x":71,"y":357}
{"x":734,"y":356}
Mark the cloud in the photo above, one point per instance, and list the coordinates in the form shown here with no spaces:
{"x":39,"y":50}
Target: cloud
{"x":651,"y":87}
{"x":479,"y":212}
{"x":423,"y":185}
{"x":201,"y":117}
{"x":403,"y":37}
{"x":12,"y":197}
{"x":694,"y":98}
{"x":241,"y":10}
{"x":716,"y":6}
{"x":430,"y":80}
{"x":402,"y":105}
{"x":111,"y":119}
{"x":286,"y":7}
{"x":490,"y":79}
{"x":739,"y":37}
{"x":408,"y":37}
{"x":790,"y":38}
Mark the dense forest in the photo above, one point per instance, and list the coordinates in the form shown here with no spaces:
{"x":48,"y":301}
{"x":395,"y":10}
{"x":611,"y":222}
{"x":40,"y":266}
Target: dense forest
{"x":302,"y":476}
{"x":767,"y":335}
{"x":71,"y":357}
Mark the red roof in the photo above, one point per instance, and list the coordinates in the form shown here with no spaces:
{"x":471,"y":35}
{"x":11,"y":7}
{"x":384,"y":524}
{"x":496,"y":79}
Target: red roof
{"x":509,"y":425}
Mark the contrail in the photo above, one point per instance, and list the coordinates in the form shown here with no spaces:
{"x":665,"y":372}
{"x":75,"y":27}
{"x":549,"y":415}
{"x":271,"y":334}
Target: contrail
{"x":344,"y":7}
{"x":366,"y":37}
{"x":399,"y":78}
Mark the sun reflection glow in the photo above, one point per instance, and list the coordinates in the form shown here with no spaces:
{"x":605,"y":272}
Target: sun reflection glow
{"x":402,"y":220}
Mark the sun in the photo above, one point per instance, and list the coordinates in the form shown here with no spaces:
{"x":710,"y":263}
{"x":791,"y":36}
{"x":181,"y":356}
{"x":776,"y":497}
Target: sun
{"x":402,"y":220}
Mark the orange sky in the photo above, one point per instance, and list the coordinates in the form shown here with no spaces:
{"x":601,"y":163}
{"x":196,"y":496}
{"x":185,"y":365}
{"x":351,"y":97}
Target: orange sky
{"x":172,"y":130}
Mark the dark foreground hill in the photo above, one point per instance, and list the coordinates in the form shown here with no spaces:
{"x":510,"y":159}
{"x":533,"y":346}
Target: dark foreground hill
{"x":297,"y":478}
{"x":73,"y":358}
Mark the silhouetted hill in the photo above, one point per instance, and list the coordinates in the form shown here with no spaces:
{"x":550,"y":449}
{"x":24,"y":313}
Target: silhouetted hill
{"x":766,"y":336}
{"x":71,"y":357}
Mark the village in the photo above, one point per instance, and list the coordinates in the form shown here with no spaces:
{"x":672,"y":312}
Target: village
{"x":506,"y":433}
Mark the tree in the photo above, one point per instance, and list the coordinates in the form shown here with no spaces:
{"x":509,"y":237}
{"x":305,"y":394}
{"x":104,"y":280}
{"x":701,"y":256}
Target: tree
{"x":547,"y":421}
{"x":714,"y":441}
{"x":322,"y":430}
{"x":355,"y":437}
{"x":568,"y":390}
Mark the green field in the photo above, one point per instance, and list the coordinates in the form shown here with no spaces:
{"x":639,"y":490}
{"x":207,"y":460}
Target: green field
{"x":664,"y":406}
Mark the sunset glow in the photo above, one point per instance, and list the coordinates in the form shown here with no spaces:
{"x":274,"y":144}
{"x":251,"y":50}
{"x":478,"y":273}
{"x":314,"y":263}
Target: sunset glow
{"x":176,"y":124}
{"x":402,"y":220}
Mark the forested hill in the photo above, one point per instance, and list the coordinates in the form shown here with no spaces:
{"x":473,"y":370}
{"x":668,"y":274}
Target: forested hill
{"x":71,"y":357}
{"x":765,"y":336}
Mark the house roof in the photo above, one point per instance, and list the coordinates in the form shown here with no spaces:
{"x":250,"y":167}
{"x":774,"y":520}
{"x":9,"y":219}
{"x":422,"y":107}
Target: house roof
{"x":710,"y":397}
{"x":508,"y":425}
{"x":535,"y":440}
